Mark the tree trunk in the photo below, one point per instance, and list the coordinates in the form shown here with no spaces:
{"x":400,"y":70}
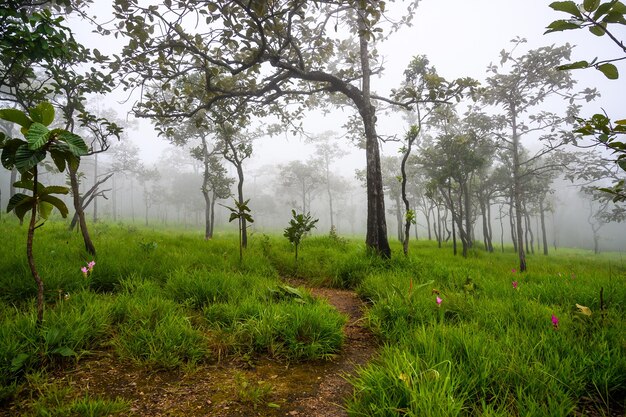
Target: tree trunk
{"x":468,"y":216}
{"x":544,"y":235}
{"x":114,"y":198}
{"x":205,"y":190}
{"x":489,"y":229}
{"x":407,"y":207}
{"x":29,"y":252}
{"x":212,"y":220}
{"x":244,"y":227}
{"x":95,"y":182}
{"x":483,"y":214}
{"x":437,"y":228}
{"x":427,"y":215}
{"x":376,"y":236}
{"x":517,"y":194}
{"x":512,"y":223}
{"x":78,"y":206}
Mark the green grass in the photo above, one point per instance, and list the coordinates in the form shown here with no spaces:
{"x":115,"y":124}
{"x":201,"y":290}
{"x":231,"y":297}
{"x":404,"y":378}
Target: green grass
{"x":494,"y":348}
{"x":167,"y":299}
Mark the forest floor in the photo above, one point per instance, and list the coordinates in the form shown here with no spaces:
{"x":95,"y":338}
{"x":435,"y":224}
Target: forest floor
{"x":235,"y":386}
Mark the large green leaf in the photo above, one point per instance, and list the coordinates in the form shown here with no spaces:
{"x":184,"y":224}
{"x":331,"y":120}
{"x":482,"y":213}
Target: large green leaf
{"x":28,"y":185}
{"x":26,"y":159}
{"x":59,"y":159}
{"x":17,"y":200}
{"x":54,"y":189}
{"x":37,"y":135}
{"x":76,"y":144}
{"x":16,"y":116}
{"x":42,"y":113}
{"x":574,"y":65}
{"x":610,"y":71}
{"x":45,"y":209}
{"x":8,"y":152}
{"x":567,"y":7}
{"x":21,"y":210}
{"x":56,"y":202}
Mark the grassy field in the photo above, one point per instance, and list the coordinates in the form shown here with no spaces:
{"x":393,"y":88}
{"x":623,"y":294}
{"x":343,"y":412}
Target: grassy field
{"x":548,"y":342}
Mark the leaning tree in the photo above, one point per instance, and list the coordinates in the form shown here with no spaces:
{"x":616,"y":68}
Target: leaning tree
{"x":264,"y":57}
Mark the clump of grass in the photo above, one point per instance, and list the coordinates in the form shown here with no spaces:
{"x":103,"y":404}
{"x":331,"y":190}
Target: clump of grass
{"x":256,"y":394}
{"x":153,"y":330}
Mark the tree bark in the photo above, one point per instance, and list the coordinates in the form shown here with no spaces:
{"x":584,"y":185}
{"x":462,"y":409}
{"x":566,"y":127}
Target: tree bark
{"x":376,"y":236}
{"x":517,"y":194}
{"x":544,"y":235}
{"x":95,"y":183}
{"x":29,"y":252}
{"x":205,"y":191}
{"x":89,"y":247}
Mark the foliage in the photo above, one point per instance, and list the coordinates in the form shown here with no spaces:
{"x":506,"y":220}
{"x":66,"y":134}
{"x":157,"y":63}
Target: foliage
{"x":299,"y":226}
{"x":596,"y":17}
{"x":241,"y":213}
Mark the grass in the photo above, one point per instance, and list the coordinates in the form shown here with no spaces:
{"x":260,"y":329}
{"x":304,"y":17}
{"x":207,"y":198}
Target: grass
{"x":170,"y":300}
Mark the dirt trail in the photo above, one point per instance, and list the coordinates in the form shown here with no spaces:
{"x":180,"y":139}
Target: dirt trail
{"x":310,"y":389}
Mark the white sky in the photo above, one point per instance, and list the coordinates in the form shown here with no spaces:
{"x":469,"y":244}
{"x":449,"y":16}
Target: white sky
{"x":459,"y":37}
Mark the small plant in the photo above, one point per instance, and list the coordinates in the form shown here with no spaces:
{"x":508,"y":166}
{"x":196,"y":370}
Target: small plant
{"x":87,"y":270}
{"x":250,"y":392}
{"x":148,"y":246}
{"x":298,"y":227}
{"x":241,"y":212}
{"x":64,"y":147}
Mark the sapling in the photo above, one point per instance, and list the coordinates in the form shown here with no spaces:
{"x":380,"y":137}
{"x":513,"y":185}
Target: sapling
{"x":241,"y":212}
{"x":65,"y":149}
{"x":298,"y":227}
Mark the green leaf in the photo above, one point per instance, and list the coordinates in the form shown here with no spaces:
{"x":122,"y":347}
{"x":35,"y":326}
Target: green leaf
{"x":42,"y":113}
{"x":591,"y":5}
{"x":45,"y":209}
{"x":614,"y":17}
{"x":26,"y":159}
{"x":37,"y":136}
{"x":560,"y":25}
{"x":8,"y":152}
{"x":56,"y":202}
{"x":609,"y":70}
{"x":59,"y":160}
{"x":567,"y":7}
{"x":17,"y":200}
{"x":597,"y":30}
{"x":619,"y":7}
{"x":54,"y":189}
{"x":19,"y":361}
{"x":604,"y":7}
{"x":16,"y":116}
{"x":620,"y":122}
{"x":21,"y":210}
{"x":76,"y":144}
{"x":28,"y":185}
{"x":64,"y":351}
{"x":574,"y":65}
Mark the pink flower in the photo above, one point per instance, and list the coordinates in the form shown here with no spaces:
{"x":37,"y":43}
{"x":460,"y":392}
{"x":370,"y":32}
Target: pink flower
{"x":439,"y":300}
{"x":84,"y":271}
{"x":555,"y":322}
{"x":90,"y":265}
{"x":514,"y":285}
{"x":513,"y":270}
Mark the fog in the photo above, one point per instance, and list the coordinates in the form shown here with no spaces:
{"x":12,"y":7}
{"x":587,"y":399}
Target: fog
{"x":460,"y":39}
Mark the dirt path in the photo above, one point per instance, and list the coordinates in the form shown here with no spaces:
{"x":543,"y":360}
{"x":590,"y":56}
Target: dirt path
{"x":358,"y":349}
{"x":227,"y":389}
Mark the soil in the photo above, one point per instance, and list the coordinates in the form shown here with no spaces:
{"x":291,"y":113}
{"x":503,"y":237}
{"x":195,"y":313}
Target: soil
{"x":233,"y":387}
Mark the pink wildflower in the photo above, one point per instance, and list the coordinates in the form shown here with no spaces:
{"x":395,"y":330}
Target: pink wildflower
{"x":90,"y":265}
{"x":439,"y":300}
{"x":514,"y":285}
{"x":555,"y":322}
{"x":84,"y":271}
{"x":513,"y":270}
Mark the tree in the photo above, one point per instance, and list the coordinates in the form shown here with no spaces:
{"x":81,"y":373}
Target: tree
{"x":299,"y":226}
{"x":261,"y":56}
{"x":64,"y":147}
{"x":427,"y":90}
{"x":241,"y":212}
{"x":599,"y":19}
{"x":302,"y":178}
{"x":531,"y":79}
{"x":326,"y":154}
{"x":236,"y":148}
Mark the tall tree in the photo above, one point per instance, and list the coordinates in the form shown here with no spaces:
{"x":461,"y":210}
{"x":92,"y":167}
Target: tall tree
{"x":529,"y":80}
{"x":264,"y":54}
